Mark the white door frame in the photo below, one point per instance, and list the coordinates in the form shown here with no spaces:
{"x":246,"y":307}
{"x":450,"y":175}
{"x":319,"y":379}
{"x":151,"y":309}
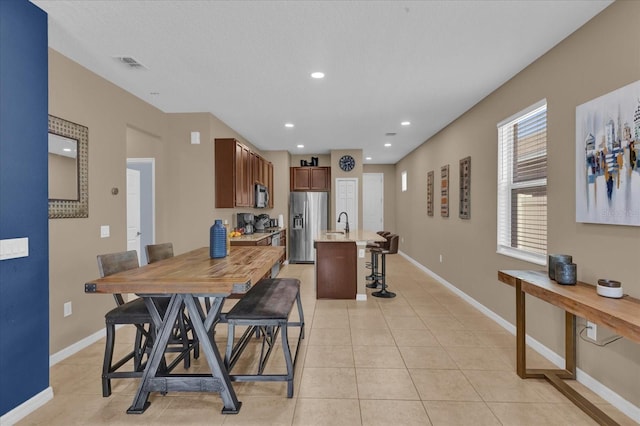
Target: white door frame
{"x":353,"y":216}
{"x":150,"y":217}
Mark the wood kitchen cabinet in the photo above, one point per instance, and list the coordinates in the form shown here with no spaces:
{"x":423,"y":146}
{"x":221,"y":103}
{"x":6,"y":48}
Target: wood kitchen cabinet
{"x":310,"y":178}
{"x":237,"y":169}
{"x":336,"y":272}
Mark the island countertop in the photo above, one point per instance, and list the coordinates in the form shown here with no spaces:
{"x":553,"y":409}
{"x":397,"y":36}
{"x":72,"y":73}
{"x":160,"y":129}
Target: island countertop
{"x":352,"y":237}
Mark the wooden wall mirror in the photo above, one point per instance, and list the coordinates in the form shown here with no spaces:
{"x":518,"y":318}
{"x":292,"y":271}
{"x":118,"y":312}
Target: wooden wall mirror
{"x":68,"y":169}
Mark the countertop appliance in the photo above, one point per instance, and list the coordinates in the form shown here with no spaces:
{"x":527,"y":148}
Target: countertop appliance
{"x":308,"y":215}
{"x":246,"y":221}
{"x":261,"y":222}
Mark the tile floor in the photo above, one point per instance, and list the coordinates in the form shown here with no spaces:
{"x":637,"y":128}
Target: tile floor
{"x":425,"y":357}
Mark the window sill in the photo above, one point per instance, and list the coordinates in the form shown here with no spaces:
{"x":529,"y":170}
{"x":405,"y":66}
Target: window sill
{"x":538,"y":259}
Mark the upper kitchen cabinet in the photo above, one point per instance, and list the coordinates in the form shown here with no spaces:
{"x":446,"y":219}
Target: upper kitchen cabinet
{"x":237,"y":169}
{"x":310,"y":178}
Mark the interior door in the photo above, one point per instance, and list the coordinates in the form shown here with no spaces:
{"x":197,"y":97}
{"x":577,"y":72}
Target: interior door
{"x":346,"y":201}
{"x":373,"y":201}
{"x":133,"y":210}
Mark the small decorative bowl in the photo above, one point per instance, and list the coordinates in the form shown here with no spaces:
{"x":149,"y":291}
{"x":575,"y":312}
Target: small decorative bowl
{"x":609,"y":288}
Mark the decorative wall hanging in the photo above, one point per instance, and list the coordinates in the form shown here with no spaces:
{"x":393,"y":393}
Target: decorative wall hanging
{"x":608,"y":158}
{"x":430,"y":183}
{"x":71,"y":141}
{"x":465,"y":188}
{"x":444,"y":191}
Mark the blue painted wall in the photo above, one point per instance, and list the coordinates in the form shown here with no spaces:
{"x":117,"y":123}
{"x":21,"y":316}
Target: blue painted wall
{"x":24,"y":282}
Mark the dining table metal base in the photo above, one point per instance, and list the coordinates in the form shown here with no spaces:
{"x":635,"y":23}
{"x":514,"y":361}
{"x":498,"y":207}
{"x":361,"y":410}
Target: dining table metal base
{"x":217,"y":381}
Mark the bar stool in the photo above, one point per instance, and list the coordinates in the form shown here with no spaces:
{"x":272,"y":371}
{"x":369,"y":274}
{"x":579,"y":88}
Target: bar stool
{"x":373,"y":264}
{"x":393,"y":249}
{"x":375,"y":275}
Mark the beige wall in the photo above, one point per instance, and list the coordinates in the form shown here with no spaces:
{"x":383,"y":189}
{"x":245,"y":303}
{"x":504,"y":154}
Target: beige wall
{"x":324,"y":160}
{"x":82,"y":97}
{"x":600,"y":57}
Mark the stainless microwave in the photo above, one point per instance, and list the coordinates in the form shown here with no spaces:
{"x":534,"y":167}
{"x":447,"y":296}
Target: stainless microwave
{"x":262,"y":196}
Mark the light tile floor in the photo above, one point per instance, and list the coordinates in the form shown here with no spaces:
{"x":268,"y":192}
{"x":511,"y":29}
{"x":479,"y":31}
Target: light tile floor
{"x":425,"y":357}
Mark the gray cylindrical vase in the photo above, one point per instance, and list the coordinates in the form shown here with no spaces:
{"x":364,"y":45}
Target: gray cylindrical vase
{"x":557,"y":258}
{"x":566,"y":273}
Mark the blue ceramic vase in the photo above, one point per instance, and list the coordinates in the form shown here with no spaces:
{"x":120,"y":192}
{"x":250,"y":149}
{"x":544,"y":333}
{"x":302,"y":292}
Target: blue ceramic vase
{"x":217,"y":240}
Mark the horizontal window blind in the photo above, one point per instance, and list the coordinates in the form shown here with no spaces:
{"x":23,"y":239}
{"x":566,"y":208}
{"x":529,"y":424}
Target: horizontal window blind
{"x":522,"y":183}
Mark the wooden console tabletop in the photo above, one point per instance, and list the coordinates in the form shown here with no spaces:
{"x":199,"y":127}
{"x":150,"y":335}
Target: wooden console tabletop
{"x":620,"y":315}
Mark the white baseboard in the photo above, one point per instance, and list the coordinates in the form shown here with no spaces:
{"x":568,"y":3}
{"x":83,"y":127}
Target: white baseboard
{"x":27,"y":407}
{"x":361,"y":297}
{"x":77,"y":347}
{"x":601,"y":390}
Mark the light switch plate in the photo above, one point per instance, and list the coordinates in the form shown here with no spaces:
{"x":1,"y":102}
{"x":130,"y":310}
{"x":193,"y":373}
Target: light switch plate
{"x":104,"y":231}
{"x":361,"y":253}
{"x":13,"y":248}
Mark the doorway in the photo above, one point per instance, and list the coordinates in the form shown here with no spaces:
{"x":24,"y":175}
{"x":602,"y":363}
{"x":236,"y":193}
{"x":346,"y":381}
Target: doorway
{"x":373,"y":201}
{"x":347,"y":201}
{"x":144,"y":208}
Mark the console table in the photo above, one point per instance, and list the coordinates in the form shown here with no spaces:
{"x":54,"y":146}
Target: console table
{"x":620,"y":315}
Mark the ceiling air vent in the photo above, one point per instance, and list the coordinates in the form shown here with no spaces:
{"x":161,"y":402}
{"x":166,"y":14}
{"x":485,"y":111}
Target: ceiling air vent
{"x":390,"y":134}
{"x":130,"y":62}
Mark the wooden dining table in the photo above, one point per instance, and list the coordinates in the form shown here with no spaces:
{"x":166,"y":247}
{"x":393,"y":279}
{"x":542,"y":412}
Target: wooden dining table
{"x":185,"y":278}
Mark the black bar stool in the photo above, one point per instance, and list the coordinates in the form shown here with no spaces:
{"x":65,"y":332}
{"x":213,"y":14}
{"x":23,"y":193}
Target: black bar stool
{"x":373,"y":265}
{"x":393,"y":249}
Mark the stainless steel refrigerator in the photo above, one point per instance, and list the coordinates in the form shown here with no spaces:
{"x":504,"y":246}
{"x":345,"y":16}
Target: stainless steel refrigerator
{"x":308,"y":215}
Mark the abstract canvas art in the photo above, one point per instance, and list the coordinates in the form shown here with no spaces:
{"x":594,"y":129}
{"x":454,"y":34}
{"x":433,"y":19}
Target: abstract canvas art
{"x":607,"y":158}
{"x":444,"y":191}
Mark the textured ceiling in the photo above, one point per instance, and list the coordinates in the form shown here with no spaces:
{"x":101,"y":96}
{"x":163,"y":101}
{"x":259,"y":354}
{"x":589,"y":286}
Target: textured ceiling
{"x":248,"y":62}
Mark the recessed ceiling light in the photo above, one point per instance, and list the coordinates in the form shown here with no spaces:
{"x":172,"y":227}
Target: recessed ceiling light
{"x":288,"y":125}
{"x":387,"y":144}
{"x":367,"y":158}
{"x":300,"y":146}
{"x":317,"y":74}
{"x":405,"y":123}
{"x":66,"y":149}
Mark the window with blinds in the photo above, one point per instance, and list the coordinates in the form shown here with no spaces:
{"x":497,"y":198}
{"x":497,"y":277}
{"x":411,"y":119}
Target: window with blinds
{"x":522,"y":184}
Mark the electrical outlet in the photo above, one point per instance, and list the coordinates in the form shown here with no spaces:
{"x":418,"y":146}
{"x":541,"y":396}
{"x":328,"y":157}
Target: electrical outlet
{"x":361,"y":253}
{"x":440,"y":258}
{"x":67,"y":309}
{"x":592,"y":331}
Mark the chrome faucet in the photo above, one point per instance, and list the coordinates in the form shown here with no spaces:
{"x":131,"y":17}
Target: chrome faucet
{"x":346,"y":227}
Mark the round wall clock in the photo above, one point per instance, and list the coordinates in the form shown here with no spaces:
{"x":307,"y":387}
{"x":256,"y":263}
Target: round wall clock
{"x":347,"y":163}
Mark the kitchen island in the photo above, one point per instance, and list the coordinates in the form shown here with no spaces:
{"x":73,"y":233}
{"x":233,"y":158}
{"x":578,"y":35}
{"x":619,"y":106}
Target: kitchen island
{"x":340,"y":263}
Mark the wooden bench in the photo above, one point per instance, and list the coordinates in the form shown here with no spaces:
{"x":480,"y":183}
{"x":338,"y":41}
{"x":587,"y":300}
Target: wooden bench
{"x":265,"y":310}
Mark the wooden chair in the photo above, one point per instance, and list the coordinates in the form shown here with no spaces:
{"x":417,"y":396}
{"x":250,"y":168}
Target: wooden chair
{"x":156,"y":253}
{"x":135,"y":313}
